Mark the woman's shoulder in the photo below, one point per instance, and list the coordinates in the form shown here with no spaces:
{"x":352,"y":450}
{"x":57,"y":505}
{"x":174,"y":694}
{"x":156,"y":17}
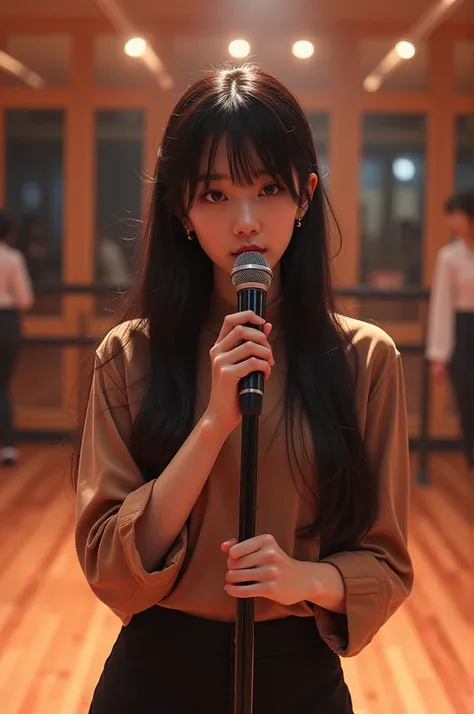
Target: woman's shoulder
{"x":376,"y":351}
{"x":126,"y":346}
{"x":13,"y":255}
{"x":452,"y":251}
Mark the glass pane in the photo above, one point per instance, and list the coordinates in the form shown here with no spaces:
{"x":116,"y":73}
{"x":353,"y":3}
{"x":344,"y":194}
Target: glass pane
{"x":34,"y":194}
{"x":192,"y":56}
{"x":391,"y":202}
{"x":49,"y":56}
{"x":114,"y":68}
{"x":409,"y":76}
{"x":320,"y":127}
{"x":119,"y":158}
{"x":464,"y":66}
{"x":464,"y":152}
{"x":38,"y":376}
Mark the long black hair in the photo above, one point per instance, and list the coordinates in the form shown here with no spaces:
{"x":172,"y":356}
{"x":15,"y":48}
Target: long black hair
{"x":263,"y":125}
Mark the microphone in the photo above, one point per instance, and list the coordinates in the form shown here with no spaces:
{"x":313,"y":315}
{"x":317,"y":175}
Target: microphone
{"x":251,"y":277}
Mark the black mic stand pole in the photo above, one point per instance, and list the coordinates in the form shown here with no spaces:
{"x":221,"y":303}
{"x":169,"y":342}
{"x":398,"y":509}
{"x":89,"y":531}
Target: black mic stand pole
{"x":244,"y":628}
{"x":250,"y":400}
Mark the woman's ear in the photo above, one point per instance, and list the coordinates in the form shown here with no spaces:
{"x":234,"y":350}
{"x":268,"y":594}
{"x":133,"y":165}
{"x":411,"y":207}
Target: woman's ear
{"x":187,"y":225}
{"x":311,"y":186}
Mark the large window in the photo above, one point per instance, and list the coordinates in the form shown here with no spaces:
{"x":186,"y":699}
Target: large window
{"x":119,"y":174}
{"x":464,"y":167}
{"x":392,"y":193}
{"x":319,"y":123}
{"x":34,"y":193}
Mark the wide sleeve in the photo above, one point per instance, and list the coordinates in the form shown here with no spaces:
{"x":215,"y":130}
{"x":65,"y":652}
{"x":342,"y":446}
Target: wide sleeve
{"x":111,"y":497}
{"x":440,"y":332}
{"x":378,"y":576}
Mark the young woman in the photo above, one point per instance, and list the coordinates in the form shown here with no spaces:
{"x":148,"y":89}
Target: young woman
{"x":450,"y":343}
{"x":16,"y":295}
{"x":158,"y":472}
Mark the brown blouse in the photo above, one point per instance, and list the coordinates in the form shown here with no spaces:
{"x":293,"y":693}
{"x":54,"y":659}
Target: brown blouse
{"x":112,"y":494}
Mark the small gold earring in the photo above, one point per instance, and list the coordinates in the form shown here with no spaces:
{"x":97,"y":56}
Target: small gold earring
{"x":298,"y":221}
{"x":190,"y":234}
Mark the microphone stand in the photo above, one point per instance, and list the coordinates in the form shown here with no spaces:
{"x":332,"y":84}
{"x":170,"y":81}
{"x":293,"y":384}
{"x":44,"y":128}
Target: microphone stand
{"x":251,"y":402}
{"x":244,"y":630}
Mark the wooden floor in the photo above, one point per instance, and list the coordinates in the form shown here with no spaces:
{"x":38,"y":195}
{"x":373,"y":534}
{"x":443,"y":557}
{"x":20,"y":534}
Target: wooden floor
{"x":55,"y":635}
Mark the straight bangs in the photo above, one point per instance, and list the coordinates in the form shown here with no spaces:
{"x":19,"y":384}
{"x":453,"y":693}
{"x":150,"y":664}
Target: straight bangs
{"x":257,"y":143}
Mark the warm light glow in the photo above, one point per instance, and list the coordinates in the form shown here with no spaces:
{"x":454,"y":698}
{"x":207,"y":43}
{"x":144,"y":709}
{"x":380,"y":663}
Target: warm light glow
{"x":405,"y":50}
{"x":371,"y":83}
{"x":303,"y":49}
{"x":239,"y":48}
{"x":135,"y":47}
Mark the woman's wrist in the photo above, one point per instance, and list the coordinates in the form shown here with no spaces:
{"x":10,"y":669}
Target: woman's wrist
{"x":211,"y":430}
{"x":324,"y":586}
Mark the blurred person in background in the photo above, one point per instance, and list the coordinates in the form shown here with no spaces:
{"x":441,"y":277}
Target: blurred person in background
{"x":450,"y":340}
{"x":15,"y":296}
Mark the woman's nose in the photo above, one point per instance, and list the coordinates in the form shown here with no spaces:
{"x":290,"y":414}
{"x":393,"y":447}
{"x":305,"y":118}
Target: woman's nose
{"x":247,"y":222}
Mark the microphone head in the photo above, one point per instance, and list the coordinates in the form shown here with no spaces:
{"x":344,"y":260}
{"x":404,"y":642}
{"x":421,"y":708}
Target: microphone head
{"x":251,"y":267}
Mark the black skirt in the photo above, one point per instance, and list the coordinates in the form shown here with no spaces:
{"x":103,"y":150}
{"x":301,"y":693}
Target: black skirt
{"x":168,"y":662}
{"x":462,"y":377}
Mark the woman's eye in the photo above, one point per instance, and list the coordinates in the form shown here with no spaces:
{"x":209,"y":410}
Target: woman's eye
{"x":271,"y":189}
{"x":214,"y":196}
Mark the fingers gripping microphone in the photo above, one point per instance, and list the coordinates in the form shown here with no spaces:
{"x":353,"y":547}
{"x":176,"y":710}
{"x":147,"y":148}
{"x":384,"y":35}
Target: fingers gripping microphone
{"x":251,"y":277}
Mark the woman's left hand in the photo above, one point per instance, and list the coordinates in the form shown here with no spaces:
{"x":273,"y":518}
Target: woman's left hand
{"x":271,"y":572}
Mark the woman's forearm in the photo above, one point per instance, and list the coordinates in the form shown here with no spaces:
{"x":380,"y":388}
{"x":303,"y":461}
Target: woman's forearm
{"x":176,"y":491}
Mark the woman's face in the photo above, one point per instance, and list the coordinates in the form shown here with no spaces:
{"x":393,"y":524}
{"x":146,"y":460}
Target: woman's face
{"x":461,"y":225}
{"x":229,"y":218}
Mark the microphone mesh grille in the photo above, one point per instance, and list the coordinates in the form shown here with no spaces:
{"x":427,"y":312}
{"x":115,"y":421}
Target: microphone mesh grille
{"x":246,"y":270}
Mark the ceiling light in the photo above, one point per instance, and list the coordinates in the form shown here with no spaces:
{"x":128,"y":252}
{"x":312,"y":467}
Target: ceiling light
{"x":404,"y":169}
{"x":372,"y":83}
{"x":239,"y":48}
{"x":303,"y":49}
{"x":405,"y":50}
{"x":135,"y":47}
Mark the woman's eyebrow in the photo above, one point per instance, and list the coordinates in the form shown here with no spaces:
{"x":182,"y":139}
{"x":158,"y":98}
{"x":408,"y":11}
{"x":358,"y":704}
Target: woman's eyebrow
{"x":225,"y":177}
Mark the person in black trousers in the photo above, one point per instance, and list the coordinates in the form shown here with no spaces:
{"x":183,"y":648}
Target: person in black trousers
{"x":450,"y":339}
{"x":15,"y":295}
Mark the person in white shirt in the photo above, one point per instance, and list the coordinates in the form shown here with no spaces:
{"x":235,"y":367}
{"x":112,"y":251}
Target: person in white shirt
{"x":16,"y":295}
{"x":450,"y":338}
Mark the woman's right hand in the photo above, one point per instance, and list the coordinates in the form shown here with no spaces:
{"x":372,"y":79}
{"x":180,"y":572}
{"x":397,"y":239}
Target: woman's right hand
{"x":238,"y":351}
